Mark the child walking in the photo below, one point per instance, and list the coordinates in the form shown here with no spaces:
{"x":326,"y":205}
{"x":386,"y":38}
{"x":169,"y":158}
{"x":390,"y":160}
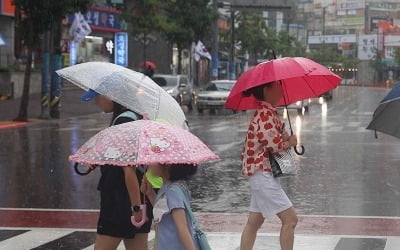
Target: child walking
{"x":173,"y":217}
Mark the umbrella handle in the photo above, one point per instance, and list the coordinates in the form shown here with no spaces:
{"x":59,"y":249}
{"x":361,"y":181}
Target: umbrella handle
{"x":301,"y":152}
{"x":79,"y":172}
{"x":144,"y":217}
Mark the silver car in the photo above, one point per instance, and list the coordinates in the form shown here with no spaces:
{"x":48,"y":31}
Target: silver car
{"x":213,"y":96}
{"x":178,"y":86}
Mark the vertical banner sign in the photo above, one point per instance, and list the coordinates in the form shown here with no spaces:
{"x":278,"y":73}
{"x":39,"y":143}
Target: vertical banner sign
{"x":121,"y":49}
{"x":72,"y":53}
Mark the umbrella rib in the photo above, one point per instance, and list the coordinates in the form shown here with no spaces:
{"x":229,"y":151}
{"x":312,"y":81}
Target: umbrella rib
{"x":312,"y":90}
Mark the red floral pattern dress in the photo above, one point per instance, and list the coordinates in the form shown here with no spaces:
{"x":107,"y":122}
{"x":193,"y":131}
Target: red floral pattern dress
{"x":263,"y":136}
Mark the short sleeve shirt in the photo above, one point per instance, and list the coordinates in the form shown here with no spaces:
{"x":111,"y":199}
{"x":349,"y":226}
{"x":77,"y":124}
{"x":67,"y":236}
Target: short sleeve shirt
{"x":167,"y":236}
{"x":264,"y":135}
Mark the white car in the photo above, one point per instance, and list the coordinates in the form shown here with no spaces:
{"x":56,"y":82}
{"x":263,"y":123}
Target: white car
{"x":300,"y":106}
{"x":213,"y":96}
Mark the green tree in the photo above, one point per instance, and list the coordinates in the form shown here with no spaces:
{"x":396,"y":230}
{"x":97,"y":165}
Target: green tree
{"x":325,"y":55}
{"x":379,"y":65}
{"x":397,"y":56}
{"x":38,"y":17}
{"x":288,"y":46}
{"x":186,"y":21}
{"x":254,"y":36}
{"x":144,"y":17}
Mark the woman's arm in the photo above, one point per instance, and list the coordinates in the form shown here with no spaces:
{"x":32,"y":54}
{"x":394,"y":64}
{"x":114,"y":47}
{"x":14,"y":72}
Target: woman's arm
{"x":132,"y":185}
{"x":179,"y":217}
{"x":269,"y":136}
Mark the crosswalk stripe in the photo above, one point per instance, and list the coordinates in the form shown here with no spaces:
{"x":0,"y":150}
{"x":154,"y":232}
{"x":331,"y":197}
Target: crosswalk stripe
{"x":392,"y":244}
{"x":32,"y":239}
{"x":229,"y":241}
{"x":315,"y":242}
{"x":5,"y":234}
{"x":75,"y":240}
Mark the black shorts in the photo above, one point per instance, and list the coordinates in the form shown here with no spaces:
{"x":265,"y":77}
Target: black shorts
{"x":115,"y":206}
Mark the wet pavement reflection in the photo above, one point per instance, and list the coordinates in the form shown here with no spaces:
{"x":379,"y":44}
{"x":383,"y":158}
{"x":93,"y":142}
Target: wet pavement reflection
{"x":345,"y":170}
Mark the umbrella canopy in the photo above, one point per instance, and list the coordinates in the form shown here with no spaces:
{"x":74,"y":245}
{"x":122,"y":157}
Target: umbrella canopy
{"x":301,"y":79}
{"x":143,"y":142}
{"x":386,"y":118}
{"x":148,"y":64}
{"x":129,"y":88}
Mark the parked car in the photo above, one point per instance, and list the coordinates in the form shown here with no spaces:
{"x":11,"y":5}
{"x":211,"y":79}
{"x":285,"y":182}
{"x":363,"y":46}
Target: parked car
{"x":213,"y":96}
{"x":178,"y":86}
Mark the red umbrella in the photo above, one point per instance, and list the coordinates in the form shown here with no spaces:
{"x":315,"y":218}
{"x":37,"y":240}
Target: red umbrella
{"x":148,"y":64}
{"x":301,"y":78}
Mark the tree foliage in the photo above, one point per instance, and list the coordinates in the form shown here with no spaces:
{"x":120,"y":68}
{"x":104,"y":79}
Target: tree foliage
{"x":36,"y":17}
{"x":186,"y":21}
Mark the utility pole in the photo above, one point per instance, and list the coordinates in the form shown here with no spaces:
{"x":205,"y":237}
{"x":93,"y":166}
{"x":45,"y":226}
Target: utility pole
{"x":237,"y":5}
{"x":323,"y":20}
{"x":215,"y":48}
{"x":366,"y":19}
{"x":45,"y":100}
{"x":232,"y":73}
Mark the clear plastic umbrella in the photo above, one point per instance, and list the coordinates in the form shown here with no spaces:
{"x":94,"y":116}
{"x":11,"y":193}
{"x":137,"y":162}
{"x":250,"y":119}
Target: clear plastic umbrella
{"x":129,"y":88}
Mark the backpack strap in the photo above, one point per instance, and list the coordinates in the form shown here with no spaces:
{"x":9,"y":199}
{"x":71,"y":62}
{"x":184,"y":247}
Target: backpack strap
{"x":178,"y":188}
{"x":127,"y":114}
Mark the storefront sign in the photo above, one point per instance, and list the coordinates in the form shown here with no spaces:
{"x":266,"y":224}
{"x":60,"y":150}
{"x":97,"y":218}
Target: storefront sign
{"x":376,"y":20}
{"x":101,"y":19}
{"x":72,"y":53}
{"x":332,"y":39}
{"x":110,"y":46}
{"x":367,"y":46}
{"x":121,"y":48}
{"x":350,"y":5}
{"x":7,"y":7}
{"x":353,"y":21}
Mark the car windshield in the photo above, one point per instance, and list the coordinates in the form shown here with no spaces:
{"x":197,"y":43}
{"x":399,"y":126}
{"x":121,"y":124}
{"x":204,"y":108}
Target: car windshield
{"x":219,"y":86}
{"x":166,"y":81}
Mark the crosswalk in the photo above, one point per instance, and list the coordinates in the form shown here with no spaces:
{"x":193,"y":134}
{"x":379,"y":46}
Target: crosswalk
{"x":50,"y":239}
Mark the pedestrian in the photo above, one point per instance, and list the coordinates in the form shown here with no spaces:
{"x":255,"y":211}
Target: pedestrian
{"x":174,"y":224}
{"x":266,"y":134}
{"x":149,"y":71}
{"x":119,"y":191}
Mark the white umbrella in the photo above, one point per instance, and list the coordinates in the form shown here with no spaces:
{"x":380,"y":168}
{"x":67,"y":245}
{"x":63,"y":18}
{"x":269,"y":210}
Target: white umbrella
{"x":129,"y":88}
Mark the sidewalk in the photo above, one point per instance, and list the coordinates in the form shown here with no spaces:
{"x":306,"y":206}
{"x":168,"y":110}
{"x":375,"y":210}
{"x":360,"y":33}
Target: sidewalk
{"x":71,"y":105}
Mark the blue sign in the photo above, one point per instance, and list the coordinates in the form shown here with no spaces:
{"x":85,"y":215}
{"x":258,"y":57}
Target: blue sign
{"x":121,"y":49}
{"x":2,"y":42}
{"x":101,"y":20}
{"x":72,"y":53}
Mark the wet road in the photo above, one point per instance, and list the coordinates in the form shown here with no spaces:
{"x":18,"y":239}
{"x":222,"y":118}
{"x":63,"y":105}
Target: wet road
{"x":345,"y":171}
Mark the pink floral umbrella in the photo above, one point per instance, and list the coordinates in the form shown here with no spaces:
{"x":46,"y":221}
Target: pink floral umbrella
{"x":143,"y":142}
